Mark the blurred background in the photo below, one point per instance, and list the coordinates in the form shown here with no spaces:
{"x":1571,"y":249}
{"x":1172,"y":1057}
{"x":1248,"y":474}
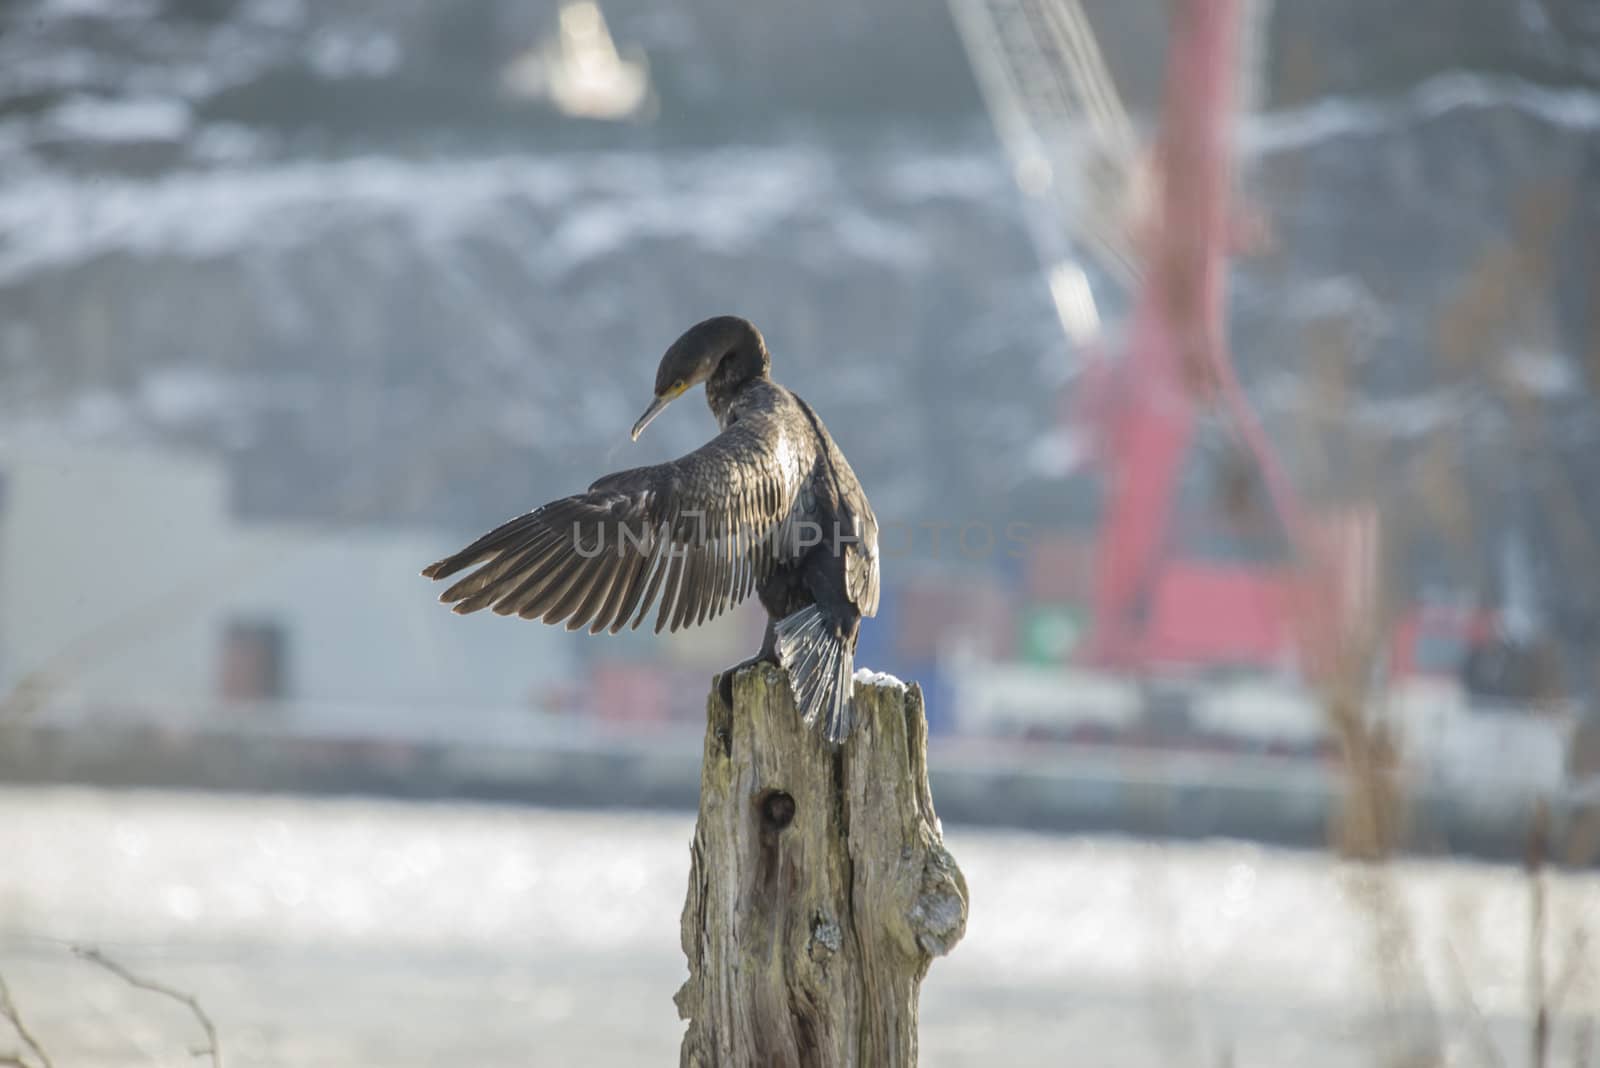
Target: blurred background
{"x":1221,"y":373}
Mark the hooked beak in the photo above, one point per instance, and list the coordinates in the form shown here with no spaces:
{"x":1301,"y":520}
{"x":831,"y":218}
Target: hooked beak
{"x":650,"y":413}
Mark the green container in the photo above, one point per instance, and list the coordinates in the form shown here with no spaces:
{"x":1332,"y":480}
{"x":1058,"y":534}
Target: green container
{"x":1050,"y":633}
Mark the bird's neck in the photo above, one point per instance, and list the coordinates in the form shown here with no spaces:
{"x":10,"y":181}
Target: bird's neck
{"x":738,"y":369}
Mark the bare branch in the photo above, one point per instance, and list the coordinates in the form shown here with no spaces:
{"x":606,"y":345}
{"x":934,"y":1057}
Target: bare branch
{"x":1538,"y":983}
{"x":1478,"y":1033}
{"x":8,"y":1009}
{"x":1572,"y":969}
{"x":212,"y":1049}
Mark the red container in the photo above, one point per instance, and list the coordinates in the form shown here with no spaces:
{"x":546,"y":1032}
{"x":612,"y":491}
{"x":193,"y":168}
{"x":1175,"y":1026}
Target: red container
{"x":629,"y":693}
{"x":1059,"y":568}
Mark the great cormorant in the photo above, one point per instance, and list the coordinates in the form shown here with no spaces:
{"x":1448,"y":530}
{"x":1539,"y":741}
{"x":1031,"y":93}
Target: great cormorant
{"x":768,"y":505}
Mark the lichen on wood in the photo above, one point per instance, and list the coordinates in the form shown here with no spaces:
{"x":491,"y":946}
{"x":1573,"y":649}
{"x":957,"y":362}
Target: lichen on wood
{"x":819,"y":889}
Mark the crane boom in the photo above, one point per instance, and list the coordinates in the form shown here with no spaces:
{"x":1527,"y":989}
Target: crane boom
{"x":1058,"y":114}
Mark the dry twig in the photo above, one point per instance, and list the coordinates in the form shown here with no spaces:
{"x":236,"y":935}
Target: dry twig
{"x":1539,"y":990}
{"x":8,"y":1009}
{"x":1478,"y":1033}
{"x":212,"y":1049}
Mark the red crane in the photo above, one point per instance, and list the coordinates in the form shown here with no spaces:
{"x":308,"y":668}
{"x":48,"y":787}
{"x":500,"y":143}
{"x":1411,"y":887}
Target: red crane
{"x":1058,"y":112}
{"x":1158,"y":604}
{"x":1178,"y":361}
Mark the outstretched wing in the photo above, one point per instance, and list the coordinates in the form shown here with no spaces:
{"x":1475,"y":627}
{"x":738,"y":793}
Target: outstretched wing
{"x":696,"y":534}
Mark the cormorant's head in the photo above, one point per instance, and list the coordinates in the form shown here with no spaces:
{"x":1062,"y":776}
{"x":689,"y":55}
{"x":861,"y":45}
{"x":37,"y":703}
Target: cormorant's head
{"x":694,"y":356}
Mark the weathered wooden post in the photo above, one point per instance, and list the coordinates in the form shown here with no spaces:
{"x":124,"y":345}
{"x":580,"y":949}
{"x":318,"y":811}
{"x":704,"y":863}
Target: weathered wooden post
{"x":820,"y":888}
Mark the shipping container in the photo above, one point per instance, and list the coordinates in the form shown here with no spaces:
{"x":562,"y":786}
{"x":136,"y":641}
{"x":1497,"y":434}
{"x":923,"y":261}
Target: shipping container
{"x":938,"y":696}
{"x":1059,"y":568}
{"x":623,"y":692}
{"x":875,"y":644}
{"x":1051,"y":633}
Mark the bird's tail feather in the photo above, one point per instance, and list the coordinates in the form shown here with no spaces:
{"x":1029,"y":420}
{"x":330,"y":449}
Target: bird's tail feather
{"x":821,"y":669}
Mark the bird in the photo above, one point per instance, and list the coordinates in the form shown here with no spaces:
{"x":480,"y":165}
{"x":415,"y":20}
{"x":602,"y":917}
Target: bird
{"x":768,"y":506}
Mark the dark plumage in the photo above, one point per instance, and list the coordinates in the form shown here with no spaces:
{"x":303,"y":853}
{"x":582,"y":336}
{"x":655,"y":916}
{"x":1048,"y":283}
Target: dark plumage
{"x":768,"y":505}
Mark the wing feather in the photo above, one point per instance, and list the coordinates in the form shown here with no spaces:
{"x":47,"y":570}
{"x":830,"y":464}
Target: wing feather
{"x":605,"y":578}
{"x":614,"y":610}
{"x":658,"y":570}
{"x":699,"y":538}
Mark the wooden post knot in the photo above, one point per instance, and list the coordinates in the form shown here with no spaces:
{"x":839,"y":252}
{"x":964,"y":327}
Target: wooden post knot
{"x":939,"y":913}
{"x":777,"y":810}
{"x":826,"y":938}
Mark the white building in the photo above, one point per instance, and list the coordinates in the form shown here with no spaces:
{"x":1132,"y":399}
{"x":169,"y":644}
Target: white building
{"x":126,"y":583}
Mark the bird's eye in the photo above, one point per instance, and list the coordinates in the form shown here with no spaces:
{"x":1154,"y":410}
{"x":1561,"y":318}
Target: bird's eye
{"x":678,"y":385}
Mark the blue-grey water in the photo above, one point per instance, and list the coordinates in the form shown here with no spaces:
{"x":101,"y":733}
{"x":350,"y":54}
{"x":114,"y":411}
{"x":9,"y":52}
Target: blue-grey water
{"x":391,"y":934}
